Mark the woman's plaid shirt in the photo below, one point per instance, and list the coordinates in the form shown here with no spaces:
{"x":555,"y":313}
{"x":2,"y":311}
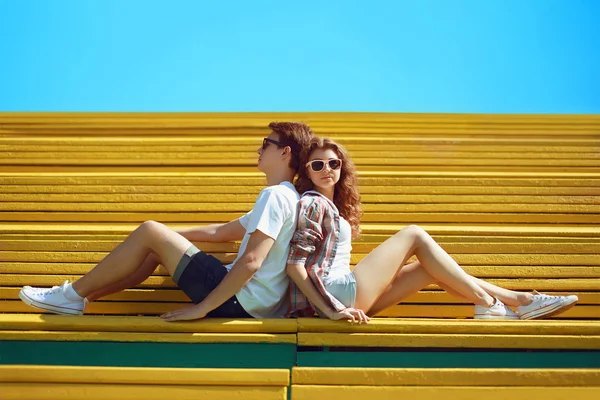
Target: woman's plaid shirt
{"x":314,"y":246}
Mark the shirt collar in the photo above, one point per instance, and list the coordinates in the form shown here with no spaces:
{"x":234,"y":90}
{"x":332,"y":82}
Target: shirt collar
{"x":288,"y":184}
{"x":319,"y":194}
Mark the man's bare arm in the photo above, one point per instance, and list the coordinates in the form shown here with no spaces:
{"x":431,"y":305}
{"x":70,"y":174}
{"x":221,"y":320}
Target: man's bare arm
{"x":215,"y":233}
{"x":257,"y":249}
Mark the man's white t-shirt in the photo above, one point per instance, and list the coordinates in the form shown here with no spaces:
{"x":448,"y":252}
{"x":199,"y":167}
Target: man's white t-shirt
{"x":275,"y":215}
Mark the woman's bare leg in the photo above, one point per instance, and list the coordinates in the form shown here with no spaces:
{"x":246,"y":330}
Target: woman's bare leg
{"x":410,"y":279}
{"x":377,"y":271}
{"x":507,"y":296}
{"x":413,"y":277}
{"x":127,"y":257}
{"x":139,"y":276}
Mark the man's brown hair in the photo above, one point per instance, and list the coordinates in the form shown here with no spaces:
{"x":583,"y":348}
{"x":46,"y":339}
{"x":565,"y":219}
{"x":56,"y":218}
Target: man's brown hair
{"x":297,"y":135}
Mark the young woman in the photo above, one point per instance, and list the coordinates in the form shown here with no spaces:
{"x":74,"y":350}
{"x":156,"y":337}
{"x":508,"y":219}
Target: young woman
{"x":319,"y":260}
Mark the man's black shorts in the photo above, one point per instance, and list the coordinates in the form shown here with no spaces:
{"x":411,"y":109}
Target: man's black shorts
{"x":198,"y":274}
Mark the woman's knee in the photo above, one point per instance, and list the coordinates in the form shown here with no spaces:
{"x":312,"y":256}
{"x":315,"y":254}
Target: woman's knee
{"x":414,"y":232}
{"x":150,"y":224}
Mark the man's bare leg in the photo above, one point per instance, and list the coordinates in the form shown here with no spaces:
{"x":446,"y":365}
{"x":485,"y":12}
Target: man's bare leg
{"x":140,"y":275}
{"x":127,"y":257}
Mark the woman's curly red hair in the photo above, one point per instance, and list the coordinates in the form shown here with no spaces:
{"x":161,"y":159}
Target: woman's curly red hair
{"x":346,"y":197}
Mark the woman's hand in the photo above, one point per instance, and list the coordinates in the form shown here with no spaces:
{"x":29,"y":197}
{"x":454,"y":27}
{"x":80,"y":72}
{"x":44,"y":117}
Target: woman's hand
{"x":352,"y":314}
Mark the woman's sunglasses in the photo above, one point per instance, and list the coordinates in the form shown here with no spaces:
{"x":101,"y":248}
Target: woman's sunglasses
{"x":318,"y":165}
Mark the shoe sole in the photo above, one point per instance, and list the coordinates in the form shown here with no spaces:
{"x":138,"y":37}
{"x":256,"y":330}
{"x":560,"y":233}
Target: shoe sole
{"x":503,"y":317}
{"x":47,"y":307}
{"x":548,"y":312}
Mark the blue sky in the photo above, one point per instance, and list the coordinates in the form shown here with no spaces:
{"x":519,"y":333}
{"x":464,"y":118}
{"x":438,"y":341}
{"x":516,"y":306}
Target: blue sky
{"x":528,"y":56}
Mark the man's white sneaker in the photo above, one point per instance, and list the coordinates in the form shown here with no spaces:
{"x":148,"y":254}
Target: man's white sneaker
{"x":53,"y":300}
{"x":497,"y":311}
{"x":544,"y":305}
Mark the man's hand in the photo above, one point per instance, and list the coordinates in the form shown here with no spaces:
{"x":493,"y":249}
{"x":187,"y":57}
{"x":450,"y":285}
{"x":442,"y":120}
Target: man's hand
{"x":195,"y":311}
{"x":351,"y":314}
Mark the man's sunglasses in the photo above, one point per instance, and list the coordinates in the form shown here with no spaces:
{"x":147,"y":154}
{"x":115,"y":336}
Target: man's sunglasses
{"x":318,"y":165}
{"x":266,"y":142}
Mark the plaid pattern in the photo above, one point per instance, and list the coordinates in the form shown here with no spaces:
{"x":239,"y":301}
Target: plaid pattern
{"x":314,"y":246}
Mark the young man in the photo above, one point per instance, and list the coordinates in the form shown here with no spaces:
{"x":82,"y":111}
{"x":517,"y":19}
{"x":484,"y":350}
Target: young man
{"x":253,"y":286}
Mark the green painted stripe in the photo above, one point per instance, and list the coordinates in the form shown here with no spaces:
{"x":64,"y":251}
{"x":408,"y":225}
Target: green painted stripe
{"x":184,"y":355}
{"x":276,"y":355}
{"x":450,"y":359}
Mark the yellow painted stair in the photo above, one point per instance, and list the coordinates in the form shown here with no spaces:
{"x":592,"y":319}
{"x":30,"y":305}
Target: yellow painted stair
{"x":515,"y":199}
{"x":39,"y":382}
{"x":394,"y":383}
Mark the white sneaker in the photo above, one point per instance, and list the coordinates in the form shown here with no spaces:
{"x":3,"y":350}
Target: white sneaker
{"x":544,"y":305}
{"x":497,"y":311}
{"x":52,"y":300}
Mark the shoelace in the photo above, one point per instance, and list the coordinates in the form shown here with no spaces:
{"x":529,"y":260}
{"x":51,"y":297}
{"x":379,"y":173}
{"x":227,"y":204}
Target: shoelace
{"x":544,"y":297}
{"x":38,"y":290}
{"x":52,"y":290}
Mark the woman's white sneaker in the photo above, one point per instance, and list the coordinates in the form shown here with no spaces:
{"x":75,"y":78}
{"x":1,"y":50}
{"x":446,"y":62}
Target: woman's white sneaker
{"x":52,"y":300}
{"x":497,"y":311}
{"x":544,"y":305}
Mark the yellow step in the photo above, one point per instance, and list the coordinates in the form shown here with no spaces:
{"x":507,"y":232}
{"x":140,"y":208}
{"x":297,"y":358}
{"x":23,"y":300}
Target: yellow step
{"x":48,"y":382}
{"x":236,"y":119}
{"x":375,"y":202}
{"x":462,"y":259}
{"x":154,"y":281}
{"x":246,"y":203}
{"x":86,"y":323}
{"x":475,"y":230}
{"x":78,"y":336}
{"x":157,"y":376}
{"x":448,"y":234}
{"x":473,"y":247}
{"x":483,"y":271}
{"x":398,"y":311}
{"x":249,"y":163}
{"x":310,"y":392}
{"x":522,"y":178}
{"x":502,"y":143}
{"x":134,"y":168}
{"x":142,"y":146}
{"x":366,"y":191}
{"x":176,"y":295}
{"x":249,"y":154}
{"x":389,"y":218}
{"x":452,"y":327}
{"x":445,"y":377}
{"x":469,"y":341}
